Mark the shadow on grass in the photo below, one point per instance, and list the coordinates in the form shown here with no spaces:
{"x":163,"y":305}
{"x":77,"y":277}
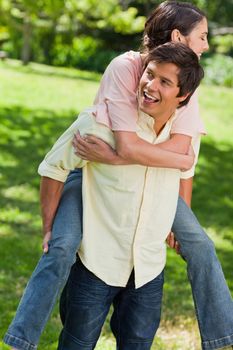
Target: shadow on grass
{"x":25,"y":137}
{"x":58,"y":72}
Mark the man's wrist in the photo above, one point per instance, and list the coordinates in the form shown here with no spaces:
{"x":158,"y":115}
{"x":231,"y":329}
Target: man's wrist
{"x":46,"y":229}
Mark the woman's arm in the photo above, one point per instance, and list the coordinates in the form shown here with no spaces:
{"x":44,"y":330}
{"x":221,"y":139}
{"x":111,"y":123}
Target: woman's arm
{"x":131,"y":147}
{"x":169,"y":154}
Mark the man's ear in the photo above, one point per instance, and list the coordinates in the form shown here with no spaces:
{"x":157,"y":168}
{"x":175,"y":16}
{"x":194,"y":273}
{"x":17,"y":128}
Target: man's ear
{"x":183,"y":98}
{"x":176,"y":36}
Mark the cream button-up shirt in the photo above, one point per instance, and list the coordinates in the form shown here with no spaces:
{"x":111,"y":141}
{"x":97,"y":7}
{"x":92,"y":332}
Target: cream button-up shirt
{"x":128,"y":210}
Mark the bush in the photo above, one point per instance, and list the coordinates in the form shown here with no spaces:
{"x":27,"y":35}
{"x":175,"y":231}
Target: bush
{"x":219,"y":70}
{"x":223,"y":44}
{"x":84,"y":52}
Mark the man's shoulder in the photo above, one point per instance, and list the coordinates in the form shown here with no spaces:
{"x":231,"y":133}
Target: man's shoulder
{"x":87,"y":121}
{"x":86,"y":117}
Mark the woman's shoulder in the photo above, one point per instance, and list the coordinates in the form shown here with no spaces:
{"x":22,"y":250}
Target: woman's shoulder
{"x":188,"y":120}
{"x":128,"y":62}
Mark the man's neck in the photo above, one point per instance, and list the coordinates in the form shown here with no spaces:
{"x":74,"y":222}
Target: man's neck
{"x":160,"y":122}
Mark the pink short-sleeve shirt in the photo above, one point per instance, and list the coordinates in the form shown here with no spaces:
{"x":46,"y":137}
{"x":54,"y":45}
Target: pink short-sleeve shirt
{"x":115,"y":104}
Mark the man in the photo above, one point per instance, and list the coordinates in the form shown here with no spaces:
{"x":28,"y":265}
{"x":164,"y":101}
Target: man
{"x":128,"y":212}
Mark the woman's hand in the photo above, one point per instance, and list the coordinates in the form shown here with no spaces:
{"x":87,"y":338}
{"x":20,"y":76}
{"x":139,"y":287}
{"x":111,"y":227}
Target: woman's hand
{"x":93,"y":149}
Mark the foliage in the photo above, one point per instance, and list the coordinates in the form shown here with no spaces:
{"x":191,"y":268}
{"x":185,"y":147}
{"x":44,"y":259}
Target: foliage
{"x":37,"y":103}
{"x":219,"y":70}
{"x":36,"y":29}
{"x":223,"y":44}
{"x":49,"y":31}
{"x":218,"y":11}
{"x":84,"y":52}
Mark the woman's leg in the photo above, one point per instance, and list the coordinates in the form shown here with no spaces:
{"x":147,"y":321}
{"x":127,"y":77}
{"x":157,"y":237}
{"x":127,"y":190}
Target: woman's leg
{"x":212,"y":298}
{"x":52,"y":270}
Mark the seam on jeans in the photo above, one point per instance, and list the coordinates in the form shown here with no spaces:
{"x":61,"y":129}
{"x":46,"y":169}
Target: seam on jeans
{"x":78,"y":341}
{"x":15,"y":341}
{"x":220,"y":342}
{"x":143,"y":341}
{"x":195,"y":305}
{"x":118,"y":325}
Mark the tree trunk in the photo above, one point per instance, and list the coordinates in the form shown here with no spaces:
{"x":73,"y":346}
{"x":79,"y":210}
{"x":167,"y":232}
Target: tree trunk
{"x":27,"y":34}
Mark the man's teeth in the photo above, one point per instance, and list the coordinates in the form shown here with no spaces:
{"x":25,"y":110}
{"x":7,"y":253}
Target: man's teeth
{"x":152,"y":98}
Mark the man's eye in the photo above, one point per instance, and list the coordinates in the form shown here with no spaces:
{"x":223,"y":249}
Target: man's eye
{"x":150,"y":75}
{"x":164,"y":82}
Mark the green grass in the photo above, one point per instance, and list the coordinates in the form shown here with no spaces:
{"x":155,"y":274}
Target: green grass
{"x":36,"y":104}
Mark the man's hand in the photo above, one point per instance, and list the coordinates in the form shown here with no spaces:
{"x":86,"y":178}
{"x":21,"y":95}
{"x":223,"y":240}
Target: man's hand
{"x":172,"y":242}
{"x":46,"y":239}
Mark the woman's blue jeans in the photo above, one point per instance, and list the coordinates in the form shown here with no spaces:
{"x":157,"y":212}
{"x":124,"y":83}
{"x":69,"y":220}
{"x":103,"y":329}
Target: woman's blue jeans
{"x":213,"y":302}
{"x":85,"y":303}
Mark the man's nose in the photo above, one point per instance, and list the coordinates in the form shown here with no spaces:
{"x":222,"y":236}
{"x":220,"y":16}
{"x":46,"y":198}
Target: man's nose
{"x":154,"y":84}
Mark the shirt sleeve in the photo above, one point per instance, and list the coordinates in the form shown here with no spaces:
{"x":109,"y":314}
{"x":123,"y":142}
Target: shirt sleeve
{"x":196,"y":141}
{"x":61,"y":159}
{"x":116,"y":100}
{"x":188,"y":120}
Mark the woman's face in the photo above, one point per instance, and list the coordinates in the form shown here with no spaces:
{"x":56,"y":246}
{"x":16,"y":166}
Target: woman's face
{"x":197,"y":40}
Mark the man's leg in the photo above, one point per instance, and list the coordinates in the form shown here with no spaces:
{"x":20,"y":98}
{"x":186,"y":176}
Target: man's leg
{"x":84,"y":304}
{"x":52,"y":270}
{"x":136,"y":315}
{"x":212,"y":298}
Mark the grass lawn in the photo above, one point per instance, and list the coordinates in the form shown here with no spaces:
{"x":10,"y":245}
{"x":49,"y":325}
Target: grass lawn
{"x":36,"y":104}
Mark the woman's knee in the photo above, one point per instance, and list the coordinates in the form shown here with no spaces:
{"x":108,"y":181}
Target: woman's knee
{"x":63,"y":249}
{"x":203,"y":252}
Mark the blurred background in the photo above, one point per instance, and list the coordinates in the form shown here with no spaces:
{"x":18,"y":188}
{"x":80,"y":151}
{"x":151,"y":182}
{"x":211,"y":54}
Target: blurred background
{"x":52,"y":54}
{"x":87,"y":34}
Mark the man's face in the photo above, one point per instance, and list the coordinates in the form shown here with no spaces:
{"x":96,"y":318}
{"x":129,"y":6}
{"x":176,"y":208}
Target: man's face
{"x":158,"y":90}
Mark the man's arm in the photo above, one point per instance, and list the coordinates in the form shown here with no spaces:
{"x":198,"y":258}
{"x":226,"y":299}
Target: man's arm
{"x":186,"y":188}
{"x":50,"y":194}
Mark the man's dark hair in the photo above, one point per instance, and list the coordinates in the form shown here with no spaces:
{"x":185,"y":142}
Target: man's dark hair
{"x":190,"y":70}
{"x":170,"y":15}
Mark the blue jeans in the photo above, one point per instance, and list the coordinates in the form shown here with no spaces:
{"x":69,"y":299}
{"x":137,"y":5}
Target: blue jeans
{"x":213,"y":302}
{"x":85,"y":303}
{"x":212,"y":298}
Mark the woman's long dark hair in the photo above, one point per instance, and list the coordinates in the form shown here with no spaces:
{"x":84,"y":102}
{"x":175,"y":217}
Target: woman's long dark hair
{"x":170,"y":15}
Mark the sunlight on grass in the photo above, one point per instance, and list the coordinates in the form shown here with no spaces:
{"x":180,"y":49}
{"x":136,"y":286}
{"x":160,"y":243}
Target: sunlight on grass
{"x":22,"y":192}
{"x":5,"y":229}
{"x":7,"y":160}
{"x":216,"y":106}
{"x":38,"y":86}
{"x":15,"y":215}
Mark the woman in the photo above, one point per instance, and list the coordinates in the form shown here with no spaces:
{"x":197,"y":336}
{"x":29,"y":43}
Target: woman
{"x":170,"y":21}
